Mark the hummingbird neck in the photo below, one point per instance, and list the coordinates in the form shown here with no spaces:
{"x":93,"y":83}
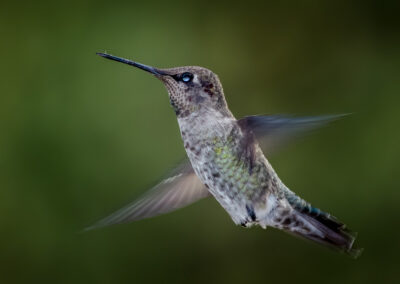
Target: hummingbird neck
{"x":206,"y":124}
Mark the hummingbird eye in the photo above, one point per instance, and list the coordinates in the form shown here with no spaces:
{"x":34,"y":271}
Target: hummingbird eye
{"x":186,"y":77}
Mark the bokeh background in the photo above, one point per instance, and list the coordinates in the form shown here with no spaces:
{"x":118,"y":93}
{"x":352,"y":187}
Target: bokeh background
{"x":81,"y":136}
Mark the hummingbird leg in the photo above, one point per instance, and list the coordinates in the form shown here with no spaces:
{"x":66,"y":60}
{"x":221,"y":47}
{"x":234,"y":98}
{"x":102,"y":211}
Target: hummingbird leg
{"x":250,"y":211}
{"x":252,"y":218}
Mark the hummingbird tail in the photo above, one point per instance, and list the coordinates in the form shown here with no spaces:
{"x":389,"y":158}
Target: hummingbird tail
{"x":325,"y":229}
{"x":311,"y":223}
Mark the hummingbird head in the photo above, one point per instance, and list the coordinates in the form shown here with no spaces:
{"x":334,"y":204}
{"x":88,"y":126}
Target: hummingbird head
{"x":191,"y":89}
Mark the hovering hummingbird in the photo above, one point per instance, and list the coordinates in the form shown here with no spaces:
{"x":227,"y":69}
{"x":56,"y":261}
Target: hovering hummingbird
{"x":226,"y":161}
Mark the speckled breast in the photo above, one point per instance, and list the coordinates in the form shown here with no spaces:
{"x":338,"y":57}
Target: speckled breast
{"x":214,"y":151}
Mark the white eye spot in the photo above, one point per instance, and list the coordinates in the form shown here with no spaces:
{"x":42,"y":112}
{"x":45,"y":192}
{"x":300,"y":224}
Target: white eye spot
{"x":195,"y":79}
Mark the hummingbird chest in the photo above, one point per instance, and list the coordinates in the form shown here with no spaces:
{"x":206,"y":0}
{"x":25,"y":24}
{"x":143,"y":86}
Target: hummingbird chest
{"x":236,"y":176}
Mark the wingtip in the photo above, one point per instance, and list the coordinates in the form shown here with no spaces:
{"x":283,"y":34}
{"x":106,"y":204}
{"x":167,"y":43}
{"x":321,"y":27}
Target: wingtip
{"x":98,"y":225}
{"x":87,"y":229}
{"x":341,"y":115}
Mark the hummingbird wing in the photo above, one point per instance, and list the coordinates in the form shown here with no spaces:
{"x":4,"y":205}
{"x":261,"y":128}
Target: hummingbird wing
{"x":177,"y":191}
{"x":274,"y":130}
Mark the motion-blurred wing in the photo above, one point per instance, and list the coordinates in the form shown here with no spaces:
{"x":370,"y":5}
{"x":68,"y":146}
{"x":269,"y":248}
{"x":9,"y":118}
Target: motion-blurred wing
{"x":274,"y":130}
{"x":180,"y":190}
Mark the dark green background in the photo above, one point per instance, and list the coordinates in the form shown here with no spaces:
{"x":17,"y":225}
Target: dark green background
{"x":82,"y":136}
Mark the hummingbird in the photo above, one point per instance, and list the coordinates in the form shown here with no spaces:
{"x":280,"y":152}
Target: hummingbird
{"x":226,"y":161}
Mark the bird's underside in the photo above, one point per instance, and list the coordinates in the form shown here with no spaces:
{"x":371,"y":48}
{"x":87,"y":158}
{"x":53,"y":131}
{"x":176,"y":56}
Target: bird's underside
{"x":271,"y":204}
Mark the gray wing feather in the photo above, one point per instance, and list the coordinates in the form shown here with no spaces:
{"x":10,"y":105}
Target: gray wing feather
{"x":274,"y":130}
{"x":178,"y":191}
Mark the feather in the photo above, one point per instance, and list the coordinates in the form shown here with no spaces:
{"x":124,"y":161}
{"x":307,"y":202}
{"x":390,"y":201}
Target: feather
{"x":304,"y":220}
{"x":274,"y":130}
{"x":181,"y":189}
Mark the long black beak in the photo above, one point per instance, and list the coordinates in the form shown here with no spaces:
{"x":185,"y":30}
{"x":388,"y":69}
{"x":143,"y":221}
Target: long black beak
{"x":149,"y":69}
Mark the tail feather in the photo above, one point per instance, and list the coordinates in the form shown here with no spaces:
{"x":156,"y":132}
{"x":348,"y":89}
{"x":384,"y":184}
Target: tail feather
{"x":316,"y":225}
{"x":331,"y":232}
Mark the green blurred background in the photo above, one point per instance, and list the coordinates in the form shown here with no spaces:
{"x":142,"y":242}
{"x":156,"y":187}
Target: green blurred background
{"x":81,"y":136}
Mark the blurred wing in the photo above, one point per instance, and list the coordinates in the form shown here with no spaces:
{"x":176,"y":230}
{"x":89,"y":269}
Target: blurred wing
{"x":274,"y":130}
{"x":180,"y":190}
